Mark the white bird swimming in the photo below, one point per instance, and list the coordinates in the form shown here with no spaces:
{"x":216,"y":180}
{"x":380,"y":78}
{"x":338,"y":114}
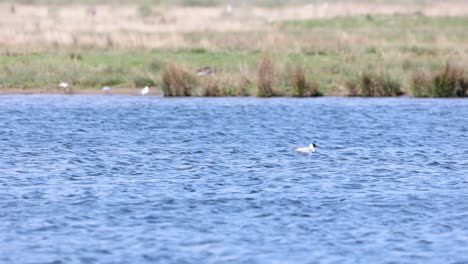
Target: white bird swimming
{"x":144,"y":90}
{"x":309,"y":149}
{"x":106,"y":89}
{"x":63,"y":84}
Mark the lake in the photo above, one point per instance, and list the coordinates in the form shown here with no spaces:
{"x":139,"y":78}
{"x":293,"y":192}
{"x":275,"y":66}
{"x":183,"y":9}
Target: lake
{"x":122,"y":179}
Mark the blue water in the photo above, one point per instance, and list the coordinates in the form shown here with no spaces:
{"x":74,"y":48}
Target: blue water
{"x":152,"y":180}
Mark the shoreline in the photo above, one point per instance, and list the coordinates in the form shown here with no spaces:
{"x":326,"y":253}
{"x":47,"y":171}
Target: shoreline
{"x":159,"y":93}
{"x":119,"y":91}
{"x":85,"y":91}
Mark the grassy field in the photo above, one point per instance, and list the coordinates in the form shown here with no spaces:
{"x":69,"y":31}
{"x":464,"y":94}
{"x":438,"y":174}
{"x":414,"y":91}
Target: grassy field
{"x":335,"y":54}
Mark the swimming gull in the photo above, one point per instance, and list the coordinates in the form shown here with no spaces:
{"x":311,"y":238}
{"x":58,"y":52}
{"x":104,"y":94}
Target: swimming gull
{"x":309,"y":149}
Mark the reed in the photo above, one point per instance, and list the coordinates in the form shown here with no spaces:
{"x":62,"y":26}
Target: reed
{"x":267,"y":77}
{"x":178,"y":81}
{"x":374,"y":85}
{"x":450,"y":81}
{"x":213,"y":86}
{"x":420,"y":84}
{"x":298,"y":83}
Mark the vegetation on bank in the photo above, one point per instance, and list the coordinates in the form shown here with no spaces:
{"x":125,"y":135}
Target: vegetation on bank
{"x":234,"y":74}
{"x":178,"y":80}
{"x":374,"y":85}
{"x":388,"y":55}
{"x":265,"y":78}
{"x":450,"y":81}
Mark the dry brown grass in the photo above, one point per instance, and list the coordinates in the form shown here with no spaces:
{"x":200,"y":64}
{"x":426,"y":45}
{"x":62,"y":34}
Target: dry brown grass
{"x":374,"y":85}
{"x":223,"y":83}
{"x":300,"y":86}
{"x":177,"y":80}
{"x":267,"y":77}
{"x":132,"y":26}
{"x":213,"y":86}
{"x":450,"y":81}
{"x":420,"y":84}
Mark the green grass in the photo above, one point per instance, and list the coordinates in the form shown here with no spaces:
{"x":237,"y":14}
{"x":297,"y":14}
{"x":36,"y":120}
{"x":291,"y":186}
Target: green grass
{"x":127,"y":68}
{"x":381,"y":21}
{"x":119,"y":68}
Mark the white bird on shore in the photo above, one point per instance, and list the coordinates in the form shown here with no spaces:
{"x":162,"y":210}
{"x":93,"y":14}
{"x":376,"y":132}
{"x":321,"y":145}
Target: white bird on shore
{"x":144,"y":91}
{"x":66,"y":88}
{"x":309,"y":149}
{"x":106,"y":89}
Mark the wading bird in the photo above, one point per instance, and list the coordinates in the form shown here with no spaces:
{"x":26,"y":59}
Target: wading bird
{"x":106,"y":90}
{"x":144,"y":91}
{"x":67,"y":89}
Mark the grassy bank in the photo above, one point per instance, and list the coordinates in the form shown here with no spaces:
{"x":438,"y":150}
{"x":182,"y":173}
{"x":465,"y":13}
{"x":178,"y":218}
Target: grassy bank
{"x":385,"y":55}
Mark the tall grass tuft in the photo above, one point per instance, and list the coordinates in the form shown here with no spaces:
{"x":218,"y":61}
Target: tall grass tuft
{"x":225,"y":84}
{"x":267,"y":76}
{"x":374,"y":85}
{"x":178,"y":81}
{"x":421,"y":85}
{"x":300,"y":87}
{"x":244,"y":84}
{"x":213,"y":86}
{"x":451,"y":81}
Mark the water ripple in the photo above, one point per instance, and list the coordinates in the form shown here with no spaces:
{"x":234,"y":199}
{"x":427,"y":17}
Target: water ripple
{"x":144,"y":180}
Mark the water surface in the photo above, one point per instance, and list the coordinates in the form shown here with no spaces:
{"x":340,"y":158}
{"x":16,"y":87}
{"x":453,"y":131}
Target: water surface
{"x":91,"y":179}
